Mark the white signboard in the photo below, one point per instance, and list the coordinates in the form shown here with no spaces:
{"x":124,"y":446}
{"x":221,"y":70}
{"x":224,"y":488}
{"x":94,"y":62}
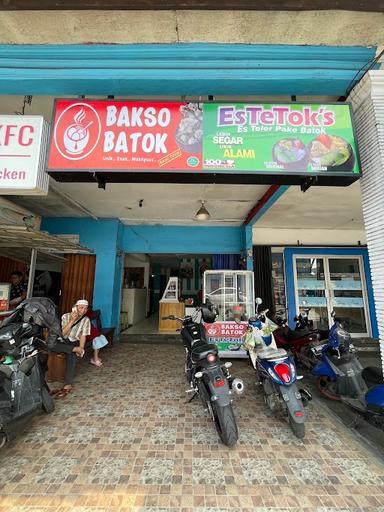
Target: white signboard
{"x":23,"y":150}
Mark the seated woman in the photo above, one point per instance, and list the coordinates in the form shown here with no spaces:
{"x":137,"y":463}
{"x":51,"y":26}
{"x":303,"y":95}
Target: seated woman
{"x":98,"y":340}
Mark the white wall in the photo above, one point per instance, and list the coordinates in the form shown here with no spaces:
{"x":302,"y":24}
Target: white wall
{"x":250,"y":27}
{"x":320,"y":237}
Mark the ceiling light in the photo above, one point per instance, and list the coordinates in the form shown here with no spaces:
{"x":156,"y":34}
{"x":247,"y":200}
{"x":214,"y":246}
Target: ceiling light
{"x":202,"y":213}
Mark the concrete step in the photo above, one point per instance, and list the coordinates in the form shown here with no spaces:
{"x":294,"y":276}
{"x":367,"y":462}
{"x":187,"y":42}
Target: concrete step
{"x":366,"y":344}
{"x":150,"y":338}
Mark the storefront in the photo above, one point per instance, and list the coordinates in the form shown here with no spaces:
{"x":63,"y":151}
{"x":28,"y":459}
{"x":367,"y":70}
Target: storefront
{"x":112,"y":239}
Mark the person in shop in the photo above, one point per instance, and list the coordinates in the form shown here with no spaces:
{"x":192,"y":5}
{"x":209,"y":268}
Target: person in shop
{"x":75,"y":326}
{"x":18,"y":291}
{"x":98,"y":340}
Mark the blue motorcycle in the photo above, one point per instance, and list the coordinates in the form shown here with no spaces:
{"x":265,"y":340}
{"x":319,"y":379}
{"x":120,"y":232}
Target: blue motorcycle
{"x":276,"y":372}
{"x":340,"y":375}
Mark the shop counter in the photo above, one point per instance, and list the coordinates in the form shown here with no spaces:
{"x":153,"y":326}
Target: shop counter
{"x":170,"y":308}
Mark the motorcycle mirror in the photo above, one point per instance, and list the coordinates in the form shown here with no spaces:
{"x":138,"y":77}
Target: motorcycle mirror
{"x":258,"y":301}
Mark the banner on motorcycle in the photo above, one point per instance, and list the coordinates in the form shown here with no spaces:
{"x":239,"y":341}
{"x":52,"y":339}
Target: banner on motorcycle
{"x":123,"y":135}
{"x":279,"y":138}
{"x":228,"y":336}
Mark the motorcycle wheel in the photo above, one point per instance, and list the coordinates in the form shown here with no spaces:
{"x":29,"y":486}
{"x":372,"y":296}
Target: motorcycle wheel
{"x":327,"y":387}
{"x":297,"y":428}
{"x":3,"y":439}
{"x":47,"y":401}
{"x":225,"y":423}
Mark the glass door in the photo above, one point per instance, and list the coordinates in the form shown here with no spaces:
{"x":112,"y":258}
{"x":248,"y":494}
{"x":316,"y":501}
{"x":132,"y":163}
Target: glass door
{"x":324,"y":284}
{"x":311,"y":290}
{"x":347,"y":293}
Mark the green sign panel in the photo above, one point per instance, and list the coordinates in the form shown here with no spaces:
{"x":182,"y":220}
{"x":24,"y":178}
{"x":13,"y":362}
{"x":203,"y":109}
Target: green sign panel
{"x":279,"y":139}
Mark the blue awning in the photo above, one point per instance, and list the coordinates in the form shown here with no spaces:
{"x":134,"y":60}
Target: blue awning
{"x":181,"y":69}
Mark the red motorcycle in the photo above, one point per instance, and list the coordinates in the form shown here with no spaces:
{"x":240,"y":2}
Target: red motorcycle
{"x":301,"y":340}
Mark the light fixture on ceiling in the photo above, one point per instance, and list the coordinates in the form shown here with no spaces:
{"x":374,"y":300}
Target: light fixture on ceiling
{"x":202,"y":213}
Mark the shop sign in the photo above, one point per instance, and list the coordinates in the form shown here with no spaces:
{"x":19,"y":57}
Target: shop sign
{"x":228,"y":336}
{"x":120,"y":135}
{"x":291,"y":138}
{"x":238,"y":138}
{"x":23,"y":147}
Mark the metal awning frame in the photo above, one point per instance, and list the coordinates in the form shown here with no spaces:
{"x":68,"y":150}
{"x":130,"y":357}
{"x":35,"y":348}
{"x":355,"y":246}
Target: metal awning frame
{"x":15,"y":236}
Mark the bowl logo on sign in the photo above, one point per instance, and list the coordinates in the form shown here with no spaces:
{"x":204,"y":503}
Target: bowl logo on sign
{"x":213,"y":331}
{"x":77,"y":131}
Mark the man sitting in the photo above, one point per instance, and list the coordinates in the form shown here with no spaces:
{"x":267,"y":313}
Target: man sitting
{"x":75,"y":326}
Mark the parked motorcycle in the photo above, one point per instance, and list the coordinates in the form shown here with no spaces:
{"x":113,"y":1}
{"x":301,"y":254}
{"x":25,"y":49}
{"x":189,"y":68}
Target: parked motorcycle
{"x":23,"y":362}
{"x":340,"y":375}
{"x":276,"y":372}
{"x":208,"y":377}
{"x":300,"y":341}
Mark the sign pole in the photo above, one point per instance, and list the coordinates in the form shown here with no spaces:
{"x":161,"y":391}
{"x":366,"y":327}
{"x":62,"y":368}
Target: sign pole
{"x":31,"y":277}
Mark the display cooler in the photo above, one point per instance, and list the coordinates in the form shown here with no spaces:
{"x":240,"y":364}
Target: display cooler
{"x":232,"y":293}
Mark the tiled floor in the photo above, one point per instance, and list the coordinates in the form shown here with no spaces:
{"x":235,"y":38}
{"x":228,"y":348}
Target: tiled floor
{"x":125,"y":440}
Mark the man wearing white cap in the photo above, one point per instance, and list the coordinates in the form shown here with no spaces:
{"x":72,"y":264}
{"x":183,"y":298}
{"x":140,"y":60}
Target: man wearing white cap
{"x":75,"y":328}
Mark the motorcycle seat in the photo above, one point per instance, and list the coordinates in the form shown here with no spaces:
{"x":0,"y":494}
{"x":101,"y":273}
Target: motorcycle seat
{"x":296,"y":335}
{"x":271,"y":354}
{"x":201,"y":352}
{"x":6,"y":370}
{"x":372,"y":375}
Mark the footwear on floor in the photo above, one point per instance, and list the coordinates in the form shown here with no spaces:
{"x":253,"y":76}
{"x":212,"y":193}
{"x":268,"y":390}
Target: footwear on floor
{"x":63,"y":392}
{"x":96,"y":362}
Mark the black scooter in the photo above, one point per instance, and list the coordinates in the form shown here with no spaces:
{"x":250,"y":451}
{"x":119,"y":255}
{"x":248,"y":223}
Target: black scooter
{"x":23,"y":362}
{"x":208,"y":378}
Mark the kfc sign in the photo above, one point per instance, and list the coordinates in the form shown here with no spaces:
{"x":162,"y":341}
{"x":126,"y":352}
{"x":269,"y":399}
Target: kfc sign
{"x":23,"y":145}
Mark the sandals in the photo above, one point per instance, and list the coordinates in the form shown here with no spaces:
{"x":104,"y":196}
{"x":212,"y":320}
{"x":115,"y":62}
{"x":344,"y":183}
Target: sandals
{"x":97,"y":363}
{"x":63,"y":392}
{"x":54,"y":392}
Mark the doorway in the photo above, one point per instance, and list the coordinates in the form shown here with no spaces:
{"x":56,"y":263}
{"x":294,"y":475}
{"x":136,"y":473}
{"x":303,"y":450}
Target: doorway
{"x":332,"y":283}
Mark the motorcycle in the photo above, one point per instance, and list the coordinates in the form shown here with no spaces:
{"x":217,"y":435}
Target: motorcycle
{"x":23,"y":362}
{"x":276,"y":372}
{"x":208,"y":378}
{"x":340,"y":376}
{"x":300,"y":341}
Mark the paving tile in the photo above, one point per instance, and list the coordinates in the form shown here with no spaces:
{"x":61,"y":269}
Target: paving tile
{"x":113,"y":445}
{"x":259,"y":471}
{"x":359,"y":472}
{"x":55,"y":470}
{"x":208,"y":471}
{"x":157,"y":471}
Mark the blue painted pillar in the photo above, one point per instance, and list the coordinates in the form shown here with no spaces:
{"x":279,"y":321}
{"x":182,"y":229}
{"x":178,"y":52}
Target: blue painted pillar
{"x":102,"y":237}
{"x":248,"y":246}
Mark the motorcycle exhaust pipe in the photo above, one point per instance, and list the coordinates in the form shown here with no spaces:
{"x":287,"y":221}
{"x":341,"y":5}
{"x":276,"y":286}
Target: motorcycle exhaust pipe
{"x":238,"y":386}
{"x":305,"y":396}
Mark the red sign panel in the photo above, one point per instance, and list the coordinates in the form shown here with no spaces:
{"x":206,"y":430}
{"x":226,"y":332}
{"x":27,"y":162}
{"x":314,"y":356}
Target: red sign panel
{"x":111,"y":134}
{"x":225,"y":331}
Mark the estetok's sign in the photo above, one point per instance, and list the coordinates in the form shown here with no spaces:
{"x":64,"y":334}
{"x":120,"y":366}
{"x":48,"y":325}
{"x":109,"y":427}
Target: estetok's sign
{"x":121,"y":135}
{"x":279,"y":139}
{"x":23,"y":145}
